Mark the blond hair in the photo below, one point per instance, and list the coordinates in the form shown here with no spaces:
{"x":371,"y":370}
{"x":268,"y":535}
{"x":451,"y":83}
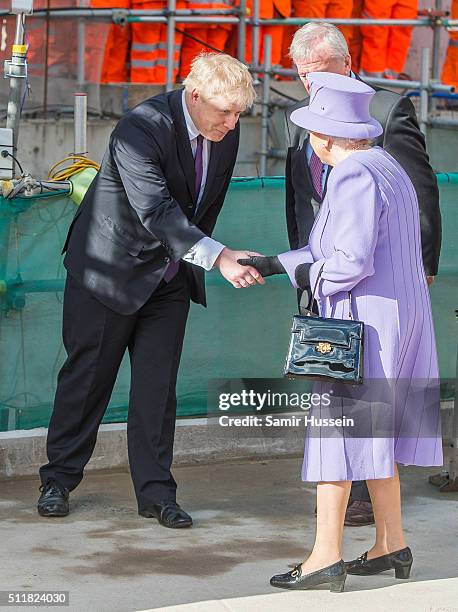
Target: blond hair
{"x":218,"y":74}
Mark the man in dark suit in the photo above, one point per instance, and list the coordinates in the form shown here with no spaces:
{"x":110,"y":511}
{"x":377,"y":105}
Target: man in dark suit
{"x":136,"y":253}
{"x":321,"y":47}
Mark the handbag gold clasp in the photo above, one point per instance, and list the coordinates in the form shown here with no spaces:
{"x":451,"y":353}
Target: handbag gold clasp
{"x":323,"y":347}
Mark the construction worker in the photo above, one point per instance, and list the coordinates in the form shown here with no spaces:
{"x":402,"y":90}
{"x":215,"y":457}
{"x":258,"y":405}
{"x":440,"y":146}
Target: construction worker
{"x":148,"y":54}
{"x":450,"y":68}
{"x":384,"y":48}
{"x":325,"y":9}
{"x":269,"y":9}
{"x":215,"y":35}
{"x":317,"y":9}
{"x":107,"y":47}
{"x":356,"y":40}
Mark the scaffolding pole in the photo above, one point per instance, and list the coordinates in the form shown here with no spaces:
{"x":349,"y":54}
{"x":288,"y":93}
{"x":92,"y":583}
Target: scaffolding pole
{"x":80,"y":125}
{"x":15,"y":70}
{"x":265,"y":105}
{"x":255,"y":34}
{"x":170,"y":81}
{"x":241,"y":31}
{"x":424,"y":97}
{"x":81,"y":51}
{"x":442,"y":122}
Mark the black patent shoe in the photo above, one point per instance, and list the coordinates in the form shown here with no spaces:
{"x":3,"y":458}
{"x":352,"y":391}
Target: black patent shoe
{"x":401,"y":561}
{"x":334,"y":575}
{"x":168,"y":513}
{"x":53,"y":500}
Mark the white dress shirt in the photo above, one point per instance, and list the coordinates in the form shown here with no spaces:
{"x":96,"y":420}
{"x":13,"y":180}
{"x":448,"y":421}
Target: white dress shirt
{"x":205,"y":252}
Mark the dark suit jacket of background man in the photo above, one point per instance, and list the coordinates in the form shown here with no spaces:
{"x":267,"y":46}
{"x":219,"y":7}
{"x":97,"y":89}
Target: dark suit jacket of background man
{"x":138,"y":214}
{"x":402,"y":138}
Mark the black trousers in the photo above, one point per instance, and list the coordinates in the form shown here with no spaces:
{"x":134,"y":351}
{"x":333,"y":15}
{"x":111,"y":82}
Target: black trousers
{"x":96,"y":339}
{"x":360,"y":491}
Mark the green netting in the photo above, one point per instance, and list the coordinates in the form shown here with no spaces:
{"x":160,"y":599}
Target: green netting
{"x":242,"y":333}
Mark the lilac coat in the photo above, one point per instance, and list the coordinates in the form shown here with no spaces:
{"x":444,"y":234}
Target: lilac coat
{"x":367,"y":235}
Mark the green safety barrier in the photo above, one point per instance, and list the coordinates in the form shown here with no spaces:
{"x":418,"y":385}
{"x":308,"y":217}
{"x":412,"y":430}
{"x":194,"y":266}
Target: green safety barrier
{"x":242,"y":333}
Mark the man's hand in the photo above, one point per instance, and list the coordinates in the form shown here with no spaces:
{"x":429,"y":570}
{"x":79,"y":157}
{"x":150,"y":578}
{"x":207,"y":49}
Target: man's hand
{"x":430,"y":280}
{"x":239,"y":276}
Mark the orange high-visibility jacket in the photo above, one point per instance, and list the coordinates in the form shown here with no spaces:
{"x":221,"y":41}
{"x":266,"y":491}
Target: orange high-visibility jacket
{"x":356,"y":40}
{"x":269,"y":9}
{"x":107,"y":47}
{"x":202,"y":5}
{"x":325,"y":9}
{"x":384,"y":48}
{"x":148,"y":55}
{"x":215,"y":35}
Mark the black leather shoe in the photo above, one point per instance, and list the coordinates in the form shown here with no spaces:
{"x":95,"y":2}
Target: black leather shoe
{"x":401,"y":561}
{"x":53,"y":500}
{"x":168,"y":513}
{"x":359,"y":513}
{"x":334,"y":575}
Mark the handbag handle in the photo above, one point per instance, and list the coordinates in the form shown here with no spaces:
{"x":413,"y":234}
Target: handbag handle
{"x":308,"y":311}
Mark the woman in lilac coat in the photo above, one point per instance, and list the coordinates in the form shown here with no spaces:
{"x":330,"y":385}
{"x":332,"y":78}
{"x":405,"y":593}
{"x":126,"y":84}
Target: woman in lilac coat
{"x":366,"y":239}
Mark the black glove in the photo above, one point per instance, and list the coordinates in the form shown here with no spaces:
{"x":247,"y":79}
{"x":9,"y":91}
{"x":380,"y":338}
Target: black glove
{"x":266,"y":266}
{"x":302,"y":275}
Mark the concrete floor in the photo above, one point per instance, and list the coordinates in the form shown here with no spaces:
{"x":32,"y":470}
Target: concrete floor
{"x":251,"y":518}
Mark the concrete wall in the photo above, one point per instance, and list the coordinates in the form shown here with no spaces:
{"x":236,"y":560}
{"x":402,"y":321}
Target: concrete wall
{"x":44,"y":142}
{"x":23,"y":452}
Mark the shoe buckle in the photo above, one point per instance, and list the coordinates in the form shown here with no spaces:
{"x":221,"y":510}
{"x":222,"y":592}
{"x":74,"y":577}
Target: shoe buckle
{"x":295,"y":572}
{"x":362,"y":559}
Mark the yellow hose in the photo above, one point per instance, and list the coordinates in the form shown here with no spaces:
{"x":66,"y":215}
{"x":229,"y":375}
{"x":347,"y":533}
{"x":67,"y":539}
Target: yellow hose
{"x":77,"y":164}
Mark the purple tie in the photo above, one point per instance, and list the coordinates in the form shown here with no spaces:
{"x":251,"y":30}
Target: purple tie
{"x":198,"y":165}
{"x":316,"y":172}
{"x":172,"y":268}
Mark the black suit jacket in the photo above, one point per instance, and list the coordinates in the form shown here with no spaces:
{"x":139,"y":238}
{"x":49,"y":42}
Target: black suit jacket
{"x":402,"y":139}
{"x":137,"y":215}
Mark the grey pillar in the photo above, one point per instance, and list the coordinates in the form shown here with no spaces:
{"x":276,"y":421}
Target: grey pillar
{"x":265,"y":105}
{"x":170,"y":81}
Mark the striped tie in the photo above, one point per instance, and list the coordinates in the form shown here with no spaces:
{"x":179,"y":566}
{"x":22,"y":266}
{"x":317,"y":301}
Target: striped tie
{"x":316,"y":172}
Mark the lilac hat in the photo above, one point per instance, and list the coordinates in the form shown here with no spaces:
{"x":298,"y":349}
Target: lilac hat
{"x":339,"y":106}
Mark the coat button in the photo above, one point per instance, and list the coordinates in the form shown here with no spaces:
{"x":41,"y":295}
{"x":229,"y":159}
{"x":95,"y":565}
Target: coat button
{"x":166,"y":259}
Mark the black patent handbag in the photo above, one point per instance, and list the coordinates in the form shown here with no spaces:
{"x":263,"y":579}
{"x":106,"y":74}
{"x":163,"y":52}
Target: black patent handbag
{"x":324,"y":348}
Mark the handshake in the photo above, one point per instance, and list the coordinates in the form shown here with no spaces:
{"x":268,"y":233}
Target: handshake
{"x":247,"y":268}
